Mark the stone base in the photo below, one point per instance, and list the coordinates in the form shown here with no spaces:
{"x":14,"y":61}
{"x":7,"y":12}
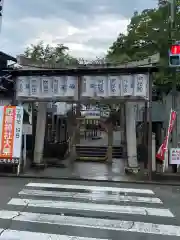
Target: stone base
{"x":130,"y":170}
{"x":39,"y":166}
{"x":56,"y":165}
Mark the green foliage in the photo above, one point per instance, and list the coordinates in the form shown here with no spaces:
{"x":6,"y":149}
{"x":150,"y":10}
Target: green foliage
{"x":147,"y":34}
{"x":48,"y":54}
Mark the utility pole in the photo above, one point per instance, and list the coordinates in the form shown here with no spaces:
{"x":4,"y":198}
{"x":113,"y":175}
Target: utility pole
{"x":1,"y":10}
{"x":172,"y":19}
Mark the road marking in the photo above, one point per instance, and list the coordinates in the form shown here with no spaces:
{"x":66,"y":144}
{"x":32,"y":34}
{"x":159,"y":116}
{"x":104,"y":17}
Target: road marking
{"x":92,"y":207}
{"x":91,"y":188}
{"x":91,"y":196}
{"x":95,"y":223}
{"x":25,"y":235}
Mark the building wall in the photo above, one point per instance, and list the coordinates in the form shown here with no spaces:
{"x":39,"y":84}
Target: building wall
{"x":158,"y":114}
{"x":168,"y":103}
{"x":161,"y":112}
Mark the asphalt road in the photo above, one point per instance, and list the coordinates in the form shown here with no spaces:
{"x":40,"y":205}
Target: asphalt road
{"x":74,"y":210}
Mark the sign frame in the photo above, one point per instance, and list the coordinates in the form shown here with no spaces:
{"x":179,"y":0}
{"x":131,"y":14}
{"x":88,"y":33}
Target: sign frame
{"x":11,"y":126}
{"x":173,"y":161}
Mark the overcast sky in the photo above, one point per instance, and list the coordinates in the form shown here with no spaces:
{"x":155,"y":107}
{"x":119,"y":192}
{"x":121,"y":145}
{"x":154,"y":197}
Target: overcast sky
{"x":88,"y":28}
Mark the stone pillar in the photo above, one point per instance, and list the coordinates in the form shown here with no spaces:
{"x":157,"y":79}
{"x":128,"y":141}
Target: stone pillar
{"x":131,"y":137}
{"x":122,"y":123}
{"x":58,"y":137}
{"x":110,"y":142}
{"x":153,"y":152}
{"x":78,"y":111}
{"x":78,"y":114}
{"x":40,"y":134}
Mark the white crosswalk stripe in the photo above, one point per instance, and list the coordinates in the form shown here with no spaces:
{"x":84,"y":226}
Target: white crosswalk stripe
{"x":70,"y":206}
{"x":22,"y":235}
{"x":91,"y":196}
{"x":92,"y":207}
{"x":91,"y":188}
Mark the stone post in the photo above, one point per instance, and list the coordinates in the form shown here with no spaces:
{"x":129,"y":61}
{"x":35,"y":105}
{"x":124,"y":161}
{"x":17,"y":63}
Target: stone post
{"x":131,"y":138}
{"x":40,"y":134}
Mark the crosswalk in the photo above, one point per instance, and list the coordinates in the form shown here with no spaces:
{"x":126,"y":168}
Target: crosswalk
{"x":49,"y":211}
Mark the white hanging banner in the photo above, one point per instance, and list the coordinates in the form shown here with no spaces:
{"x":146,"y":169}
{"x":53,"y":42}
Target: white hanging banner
{"x":35,"y":86}
{"x":65,"y":88}
{"x":88,"y":87}
{"x":140,"y":85}
{"x":101,"y":89}
{"x":61,"y":86}
{"x":70,"y":86}
{"x":126,"y":85}
{"x":46,"y":87}
{"x":58,"y":87}
{"x":84,"y":86}
{"x":23,"y":87}
{"x":18,"y":131}
{"x":114,"y":86}
{"x":55,"y":86}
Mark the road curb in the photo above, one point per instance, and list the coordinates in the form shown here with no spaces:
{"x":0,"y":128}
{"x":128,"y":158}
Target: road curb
{"x":90,"y":180}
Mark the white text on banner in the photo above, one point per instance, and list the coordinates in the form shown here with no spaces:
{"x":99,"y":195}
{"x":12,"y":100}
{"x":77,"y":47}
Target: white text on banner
{"x":18,"y":132}
{"x":7,"y":140}
{"x":10,"y":131}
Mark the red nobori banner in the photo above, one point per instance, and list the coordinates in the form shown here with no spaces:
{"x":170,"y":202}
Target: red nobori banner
{"x":164,"y":146}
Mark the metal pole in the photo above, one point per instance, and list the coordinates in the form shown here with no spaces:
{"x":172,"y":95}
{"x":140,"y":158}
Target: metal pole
{"x":1,"y":12}
{"x":150,"y":128}
{"x":145,"y":135}
{"x":174,"y":104}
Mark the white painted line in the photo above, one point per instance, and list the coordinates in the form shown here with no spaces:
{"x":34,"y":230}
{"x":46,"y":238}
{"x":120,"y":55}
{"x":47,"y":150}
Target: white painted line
{"x":95,"y":223}
{"x":103,"y":196}
{"x":25,"y":235}
{"x":92,"y":207}
{"x":91,"y":188}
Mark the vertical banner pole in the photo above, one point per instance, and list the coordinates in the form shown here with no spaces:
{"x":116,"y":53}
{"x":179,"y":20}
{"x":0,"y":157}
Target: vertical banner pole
{"x":24,"y":151}
{"x":165,"y":163}
{"x":1,"y":13}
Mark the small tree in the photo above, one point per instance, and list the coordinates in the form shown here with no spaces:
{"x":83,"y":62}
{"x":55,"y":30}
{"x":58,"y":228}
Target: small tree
{"x":45,"y":53}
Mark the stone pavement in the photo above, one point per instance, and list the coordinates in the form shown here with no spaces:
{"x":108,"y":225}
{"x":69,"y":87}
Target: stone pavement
{"x":97,"y":171}
{"x":85,"y":170}
{"x":88,"y":170}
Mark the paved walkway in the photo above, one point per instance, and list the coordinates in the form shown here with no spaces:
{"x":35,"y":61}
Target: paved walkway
{"x":86,"y":170}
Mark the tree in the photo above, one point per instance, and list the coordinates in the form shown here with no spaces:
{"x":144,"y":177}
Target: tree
{"x":147,"y":33}
{"x":41,"y":52}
